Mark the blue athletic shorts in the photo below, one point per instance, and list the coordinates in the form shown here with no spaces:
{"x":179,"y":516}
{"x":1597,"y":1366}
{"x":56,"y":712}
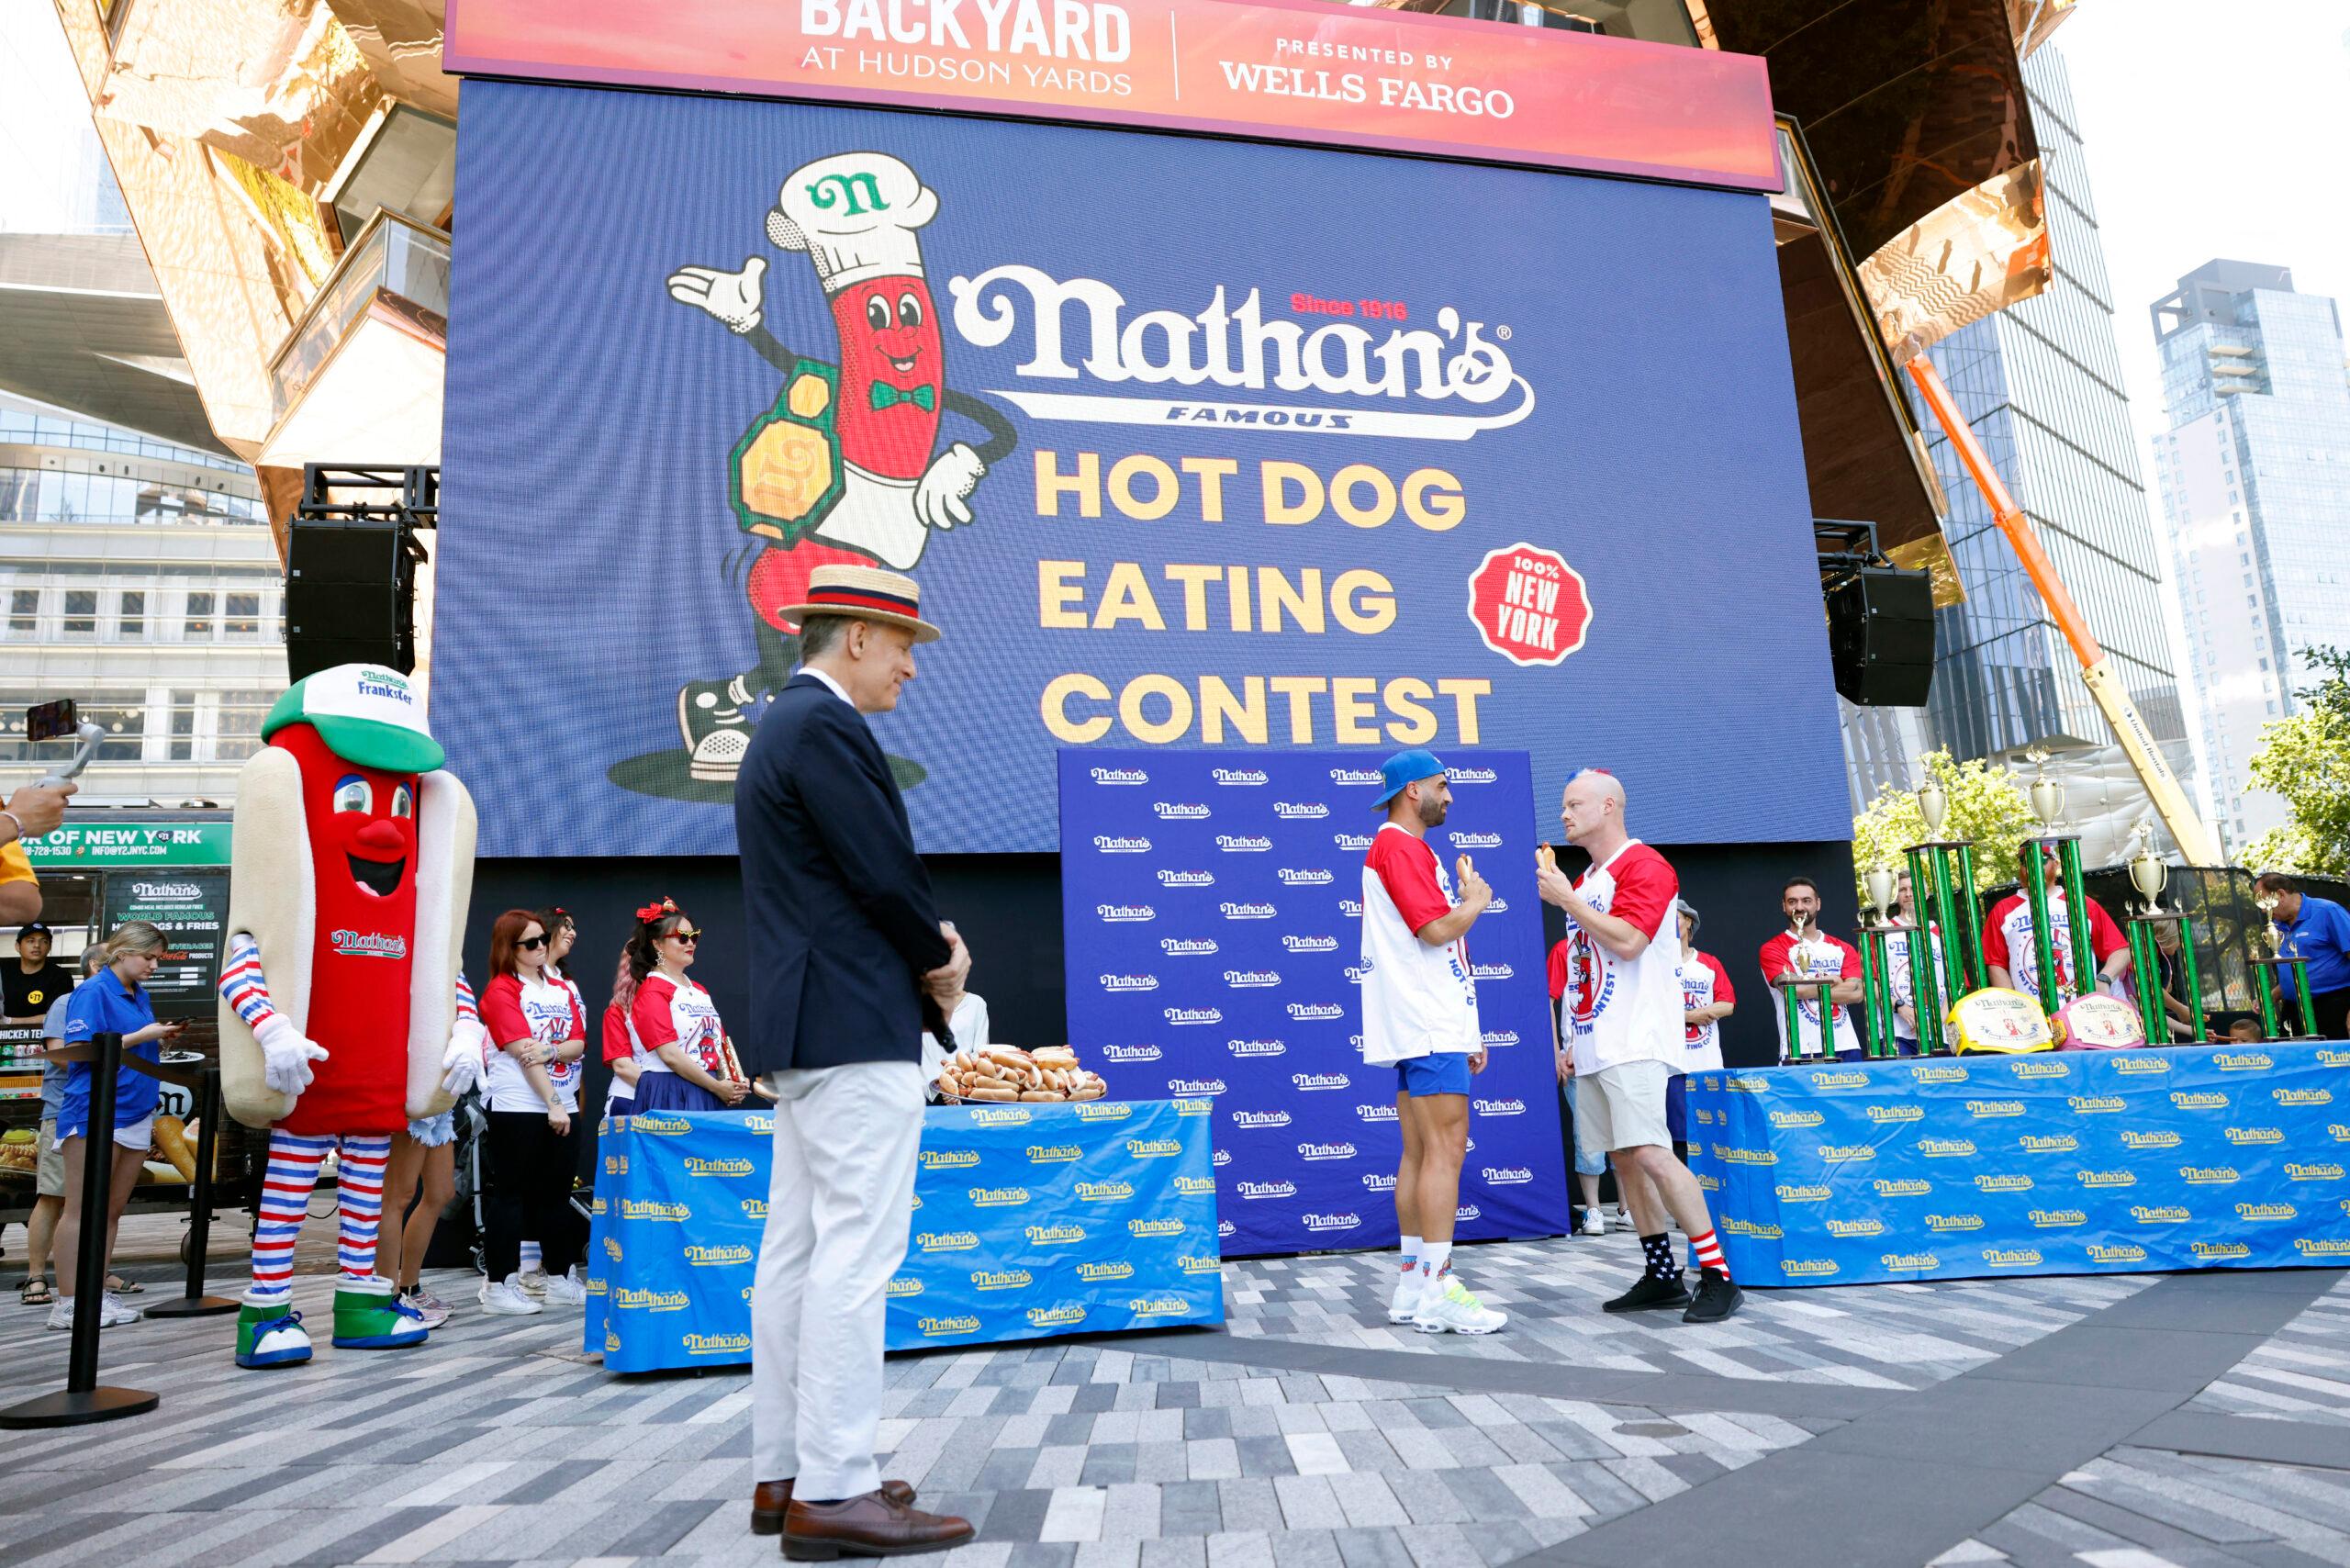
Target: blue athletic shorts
{"x":1676,"y":1108}
{"x":1439,"y":1072}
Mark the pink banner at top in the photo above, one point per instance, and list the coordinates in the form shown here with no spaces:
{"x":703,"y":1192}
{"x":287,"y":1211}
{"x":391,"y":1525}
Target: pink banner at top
{"x":1277,"y":70}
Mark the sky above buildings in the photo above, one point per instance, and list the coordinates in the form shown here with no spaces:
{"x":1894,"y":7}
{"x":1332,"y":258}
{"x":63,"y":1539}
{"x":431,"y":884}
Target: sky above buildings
{"x":2212,"y":131}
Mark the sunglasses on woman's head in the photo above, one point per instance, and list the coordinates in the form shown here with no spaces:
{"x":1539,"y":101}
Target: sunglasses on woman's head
{"x":528,"y":941}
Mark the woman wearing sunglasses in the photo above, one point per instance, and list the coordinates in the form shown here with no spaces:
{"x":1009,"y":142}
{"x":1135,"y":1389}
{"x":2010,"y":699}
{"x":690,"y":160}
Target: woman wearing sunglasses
{"x":680,"y":1044}
{"x":532,"y":1088}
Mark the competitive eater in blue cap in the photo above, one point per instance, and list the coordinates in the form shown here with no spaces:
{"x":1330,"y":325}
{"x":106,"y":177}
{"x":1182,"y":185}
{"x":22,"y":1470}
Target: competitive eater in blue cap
{"x":1419,"y":1015}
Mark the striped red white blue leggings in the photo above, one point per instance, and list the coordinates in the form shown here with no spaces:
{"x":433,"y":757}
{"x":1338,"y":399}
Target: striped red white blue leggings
{"x":293,"y":1161}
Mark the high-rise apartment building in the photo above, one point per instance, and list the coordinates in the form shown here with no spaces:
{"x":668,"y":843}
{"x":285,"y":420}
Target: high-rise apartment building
{"x":2041,"y":384}
{"x":2254,"y":478}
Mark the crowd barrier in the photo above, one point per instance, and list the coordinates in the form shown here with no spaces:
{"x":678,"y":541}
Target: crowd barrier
{"x":1029,"y":1221}
{"x":2050,"y":1163}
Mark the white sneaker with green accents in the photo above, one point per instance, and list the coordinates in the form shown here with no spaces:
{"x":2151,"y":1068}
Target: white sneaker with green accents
{"x":1404,"y":1304}
{"x":1456,"y":1310}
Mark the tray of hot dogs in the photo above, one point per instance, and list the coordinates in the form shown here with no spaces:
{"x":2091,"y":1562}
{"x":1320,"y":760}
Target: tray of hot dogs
{"x":996,"y":1075}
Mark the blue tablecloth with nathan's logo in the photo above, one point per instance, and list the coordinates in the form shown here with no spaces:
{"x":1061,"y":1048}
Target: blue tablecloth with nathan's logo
{"x":2055,"y":1163}
{"x":1029,"y":1220}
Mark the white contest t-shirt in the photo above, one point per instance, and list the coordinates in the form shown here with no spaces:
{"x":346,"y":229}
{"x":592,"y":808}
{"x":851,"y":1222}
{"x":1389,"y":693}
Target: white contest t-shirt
{"x":1627,"y":1011}
{"x":968,"y":1024}
{"x":1416,"y":1000}
{"x":545,"y":1012}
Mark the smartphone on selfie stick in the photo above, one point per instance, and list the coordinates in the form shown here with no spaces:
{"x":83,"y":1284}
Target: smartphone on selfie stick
{"x":61,"y":720}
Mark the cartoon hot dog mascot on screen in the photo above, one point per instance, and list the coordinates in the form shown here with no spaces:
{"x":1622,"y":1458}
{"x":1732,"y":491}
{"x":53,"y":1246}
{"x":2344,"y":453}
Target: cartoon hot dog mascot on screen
{"x":343,"y":1013}
{"x":847,"y":468}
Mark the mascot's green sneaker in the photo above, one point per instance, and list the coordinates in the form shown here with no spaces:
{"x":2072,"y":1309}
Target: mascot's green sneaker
{"x":370,"y":1316}
{"x":269,"y":1333}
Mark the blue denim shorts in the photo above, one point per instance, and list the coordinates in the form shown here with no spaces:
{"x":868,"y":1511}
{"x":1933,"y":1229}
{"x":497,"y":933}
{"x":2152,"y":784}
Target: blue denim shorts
{"x":1438,"y":1072}
{"x":434,"y":1131}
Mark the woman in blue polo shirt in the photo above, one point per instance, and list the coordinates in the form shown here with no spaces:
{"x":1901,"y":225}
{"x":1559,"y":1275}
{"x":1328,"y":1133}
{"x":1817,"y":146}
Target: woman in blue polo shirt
{"x":110,"y":1003}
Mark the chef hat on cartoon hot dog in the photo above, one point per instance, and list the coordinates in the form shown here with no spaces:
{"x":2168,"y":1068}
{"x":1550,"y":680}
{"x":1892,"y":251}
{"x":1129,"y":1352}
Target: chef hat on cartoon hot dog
{"x":855,"y":214}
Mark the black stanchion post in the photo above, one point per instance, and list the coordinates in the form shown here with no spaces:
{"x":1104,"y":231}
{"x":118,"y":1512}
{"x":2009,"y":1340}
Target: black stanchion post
{"x":81,"y":1400}
{"x":196,"y":1303}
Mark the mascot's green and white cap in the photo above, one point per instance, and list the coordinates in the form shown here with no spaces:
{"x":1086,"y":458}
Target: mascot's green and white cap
{"x":365,"y":713}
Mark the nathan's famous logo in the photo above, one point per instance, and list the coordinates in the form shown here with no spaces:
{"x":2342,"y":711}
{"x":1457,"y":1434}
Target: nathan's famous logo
{"x":645,"y":1208}
{"x":1124,"y":914}
{"x":1979,"y":1109}
{"x":2219,"y":1252}
{"x":1375,"y":1113}
{"x":904,"y":1286}
{"x":1807,"y":1268}
{"x":949,"y":1158}
{"x":2012,"y":1257}
{"x":1954,"y":1222}
{"x":1179,"y":811}
{"x":2209,"y":1175}
{"x":1748,"y":1227}
{"x":1303,"y":876}
{"x":2313,"y":1172}
{"x":1256,"y":910}
{"x":1238,"y":777}
{"x":1506,"y":1175}
{"x":2197,"y":1100}
{"x":2029,"y":1069}
{"x":2057,"y":1219}
{"x":167,"y":892}
{"x":1243,"y":843}
{"x":1795,"y":1118}
{"x":1312,"y":1152}
{"x":755,"y":1208}
{"x":2255,"y":1135}
{"x":1729,"y":1156}
{"x":1130,"y":1053}
{"x":1319,"y":1083}
{"x":2116,"y":1252}
{"x":2302,"y":1096}
{"x":1799,"y":1195}
{"x":1129,"y":982}
{"x":2331,"y":1247}
{"x":2105,"y":1178}
{"x":947,"y":1327}
{"x":1946,"y":1147}
{"x":997,"y":1197}
{"x":1854,"y":1228}
{"x":369,"y":944}
{"x":1098,"y":1111}
{"x":2003,"y":1184}
{"x":1159,"y":1306}
{"x":1055,"y":1316}
{"x":2266,"y":1211}
{"x":2094,"y":1104}
{"x":1492,"y":1039}
{"x":1314,"y":1009}
{"x":1121,"y":843}
{"x":1845,"y":1153}
{"x":1257,"y":1048}
{"x":1000,"y":1116}
{"x":1153,"y":1148}
{"x":1188,"y":1017}
{"x":1937,"y":1074}
{"x":2243,"y":1061}
{"x":1001,"y":1279}
{"x":1054,"y":1153}
{"x":948,"y":1241}
{"x":698,"y":1165}
{"x":1908,"y":1262}
{"x":2149,"y":1140}
{"x":1181,"y":1087}
{"x":715,"y":1344}
{"x":633,"y":1300}
{"x":2059,"y":1143}
{"x":1194,"y":1186}
{"x":1884,"y":1114}
{"x":1322,"y":1222}
{"x":1253,"y":1190}
{"x":1746,"y":1085}
{"x":2158,"y":1214}
{"x":1234,"y":347}
{"x":1300,"y":811}
{"x":1172,"y":878}
{"x":1054,"y":1235}
{"x":1310,"y":943}
{"x":1245,"y":979}
{"x":1199,"y":1263}
{"x":1844,"y":1080}
{"x":704,"y":1257}
{"x":1146,"y":1227}
{"x":1512,"y":1107}
{"x":1119,"y":775}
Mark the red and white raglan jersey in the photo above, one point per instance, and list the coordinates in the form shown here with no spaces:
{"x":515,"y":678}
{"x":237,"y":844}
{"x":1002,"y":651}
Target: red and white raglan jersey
{"x":1620,"y":1010}
{"x":673,"y":1012}
{"x":1827,"y":958}
{"x":619,"y":1045}
{"x":513,"y":1008}
{"x":1416,"y":1000}
{"x":2008,"y":941}
{"x":1703,"y":981}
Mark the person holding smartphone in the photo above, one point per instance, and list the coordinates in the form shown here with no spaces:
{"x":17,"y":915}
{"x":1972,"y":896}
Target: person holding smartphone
{"x":112,"y":1002}
{"x":532,"y":1088}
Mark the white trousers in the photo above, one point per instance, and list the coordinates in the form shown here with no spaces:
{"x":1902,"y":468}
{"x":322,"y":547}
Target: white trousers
{"x":840,"y":1203}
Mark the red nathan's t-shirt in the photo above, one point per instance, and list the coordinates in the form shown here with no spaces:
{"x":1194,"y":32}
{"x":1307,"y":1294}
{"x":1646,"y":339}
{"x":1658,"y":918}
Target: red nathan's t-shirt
{"x":2007,"y":939}
{"x":617,"y":1045}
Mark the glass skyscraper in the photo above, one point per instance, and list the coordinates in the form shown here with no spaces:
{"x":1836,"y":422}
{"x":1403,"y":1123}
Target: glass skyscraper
{"x":2041,"y":384}
{"x":2254,"y":475}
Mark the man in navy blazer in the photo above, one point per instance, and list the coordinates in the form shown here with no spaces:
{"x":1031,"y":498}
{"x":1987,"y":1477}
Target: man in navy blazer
{"x":848,"y":942}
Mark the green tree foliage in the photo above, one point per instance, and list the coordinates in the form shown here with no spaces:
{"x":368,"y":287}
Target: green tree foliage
{"x":1988,"y":810}
{"x":2306,"y":759}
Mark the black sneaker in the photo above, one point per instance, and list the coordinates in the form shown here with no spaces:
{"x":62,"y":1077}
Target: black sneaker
{"x":1717,"y":1297}
{"x":1651,"y":1294}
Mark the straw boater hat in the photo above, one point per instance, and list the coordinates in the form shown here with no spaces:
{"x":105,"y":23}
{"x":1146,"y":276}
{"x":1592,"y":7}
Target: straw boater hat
{"x":864,"y":593}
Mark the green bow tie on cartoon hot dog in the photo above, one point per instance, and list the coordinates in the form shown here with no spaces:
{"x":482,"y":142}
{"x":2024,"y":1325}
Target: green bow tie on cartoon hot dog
{"x":923,"y":397}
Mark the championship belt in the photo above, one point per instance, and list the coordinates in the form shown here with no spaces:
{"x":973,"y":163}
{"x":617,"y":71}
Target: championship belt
{"x":2099,"y":1022}
{"x":1999,"y":1022}
{"x":785,"y":475}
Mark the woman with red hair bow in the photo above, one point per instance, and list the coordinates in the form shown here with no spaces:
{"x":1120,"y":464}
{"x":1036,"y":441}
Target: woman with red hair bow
{"x":679,"y":1043}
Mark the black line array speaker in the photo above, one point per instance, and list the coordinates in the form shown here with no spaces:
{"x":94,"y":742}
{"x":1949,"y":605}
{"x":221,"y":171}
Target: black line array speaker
{"x":1881,"y":637}
{"x":349,"y":595}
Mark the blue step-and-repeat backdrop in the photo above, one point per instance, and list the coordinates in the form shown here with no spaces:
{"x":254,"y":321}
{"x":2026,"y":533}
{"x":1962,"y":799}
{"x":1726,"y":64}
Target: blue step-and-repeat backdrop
{"x":1029,"y":1221}
{"x":2056,"y":1164}
{"x":1211,"y":905}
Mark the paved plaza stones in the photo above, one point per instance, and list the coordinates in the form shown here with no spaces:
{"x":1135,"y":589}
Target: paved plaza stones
{"x":2115,"y":1421}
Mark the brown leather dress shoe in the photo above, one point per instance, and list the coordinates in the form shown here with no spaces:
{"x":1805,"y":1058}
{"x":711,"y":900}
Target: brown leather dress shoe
{"x":773,"y":1498}
{"x":876,"y":1525}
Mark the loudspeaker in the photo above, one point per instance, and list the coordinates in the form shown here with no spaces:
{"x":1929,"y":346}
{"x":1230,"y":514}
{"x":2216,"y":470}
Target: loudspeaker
{"x":349,"y":595}
{"x":1881,"y":637}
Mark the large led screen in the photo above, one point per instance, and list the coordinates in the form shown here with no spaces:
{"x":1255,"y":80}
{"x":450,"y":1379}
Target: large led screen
{"x":1189,"y":442}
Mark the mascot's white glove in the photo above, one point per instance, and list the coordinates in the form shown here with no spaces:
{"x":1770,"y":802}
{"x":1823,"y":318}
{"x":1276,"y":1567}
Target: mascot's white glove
{"x":732,"y":298}
{"x":288,"y":1055}
{"x":946,"y":484}
{"x":461,"y":1063}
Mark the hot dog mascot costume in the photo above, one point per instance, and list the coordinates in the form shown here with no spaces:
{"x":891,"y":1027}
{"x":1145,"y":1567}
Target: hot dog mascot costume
{"x":343,"y":1013}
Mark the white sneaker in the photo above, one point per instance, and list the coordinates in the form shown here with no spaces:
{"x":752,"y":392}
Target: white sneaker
{"x":503,"y":1298}
{"x":1619,"y":1220}
{"x":114,"y":1312}
{"x":1593,"y":1224}
{"x":533,"y":1283}
{"x":1456,"y":1310}
{"x":1404,"y":1304}
{"x":564,"y":1290}
{"x":60,"y":1314}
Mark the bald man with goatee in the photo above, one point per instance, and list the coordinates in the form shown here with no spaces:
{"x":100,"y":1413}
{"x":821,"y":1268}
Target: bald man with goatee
{"x":1623,"y":1005}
